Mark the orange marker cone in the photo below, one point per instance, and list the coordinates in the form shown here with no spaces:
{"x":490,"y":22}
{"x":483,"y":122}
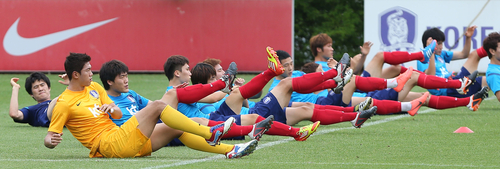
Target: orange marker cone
{"x":463,"y":130}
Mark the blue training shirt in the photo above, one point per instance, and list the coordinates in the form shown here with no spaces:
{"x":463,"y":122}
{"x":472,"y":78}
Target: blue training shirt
{"x":35,"y":115}
{"x":441,"y":60}
{"x":129,"y":103}
{"x":493,"y":77}
{"x":324,"y":65}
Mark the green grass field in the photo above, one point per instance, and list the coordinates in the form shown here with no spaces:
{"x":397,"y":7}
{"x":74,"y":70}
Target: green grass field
{"x":393,"y":141}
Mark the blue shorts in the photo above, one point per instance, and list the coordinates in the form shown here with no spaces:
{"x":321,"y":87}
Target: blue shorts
{"x":386,"y":94}
{"x":223,"y":113}
{"x":332,"y":99}
{"x":267,"y":106}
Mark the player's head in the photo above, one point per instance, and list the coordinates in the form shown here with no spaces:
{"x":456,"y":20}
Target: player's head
{"x":203,"y":73}
{"x":177,"y":66}
{"x":311,"y":67}
{"x":38,"y":86}
{"x":491,"y":44}
{"x":287,"y":63}
{"x":321,"y":45}
{"x":216,"y":64}
{"x":435,"y":34}
{"x":114,"y":75}
{"x":77,"y":66}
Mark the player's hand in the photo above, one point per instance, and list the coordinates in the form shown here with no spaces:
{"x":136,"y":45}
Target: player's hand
{"x":365,"y":49}
{"x":13,"y":82}
{"x":183,"y":85}
{"x":106,"y":108}
{"x":331,"y":63}
{"x":56,"y":139}
{"x":470,"y":31}
{"x":429,"y":41}
{"x":65,"y":79}
{"x":239,"y":81}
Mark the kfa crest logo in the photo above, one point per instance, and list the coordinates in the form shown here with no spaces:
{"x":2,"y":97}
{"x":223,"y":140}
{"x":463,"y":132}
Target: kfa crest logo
{"x":398,"y":29}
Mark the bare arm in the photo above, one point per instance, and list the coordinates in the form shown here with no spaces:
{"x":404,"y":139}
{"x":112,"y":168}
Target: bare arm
{"x":14,"y":103}
{"x":52,"y":139}
{"x":431,"y":69}
{"x":466,"y":50}
{"x":365,"y":49}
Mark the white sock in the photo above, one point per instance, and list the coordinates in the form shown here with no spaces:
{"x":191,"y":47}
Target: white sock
{"x":392,"y":83}
{"x":405,"y":106}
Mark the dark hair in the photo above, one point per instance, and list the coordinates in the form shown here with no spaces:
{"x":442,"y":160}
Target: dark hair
{"x":75,"y":62}
{"x":282,"y":55}
{"x":110,"y":70}
{"x":434,"y":33}
{"x":173,"y":63}
{"x":211,"y":61}
{"x":33,"y":78}
{"x":310,"y":67}
{"x":201,"y":73}
{"x":491,"y":42}
{"x":319,"y":41}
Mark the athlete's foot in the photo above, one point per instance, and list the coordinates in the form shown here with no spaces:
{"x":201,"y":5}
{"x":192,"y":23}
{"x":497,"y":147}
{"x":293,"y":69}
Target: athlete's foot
{"x":346,"y":79}
{"x":476,"y":99}
{"x":402,"y":79}
{"x":341,"y":67}
{"x":261,"y":127}
{"x":220,"y":130}
{"x":467,"y":81}
{"x":274,"y":61}
{"x":428,"y":51}
{"x":229,"y":77}
{"x":363,"y":116}
{"x":240,"y":150}
{"x":306,"y":131}
{"x":364,"y":105}
{"x":417,"y":103}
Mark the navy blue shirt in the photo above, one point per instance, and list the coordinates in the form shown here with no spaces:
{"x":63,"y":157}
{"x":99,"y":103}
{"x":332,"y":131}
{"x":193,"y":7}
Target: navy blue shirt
{"x":36,"y":115}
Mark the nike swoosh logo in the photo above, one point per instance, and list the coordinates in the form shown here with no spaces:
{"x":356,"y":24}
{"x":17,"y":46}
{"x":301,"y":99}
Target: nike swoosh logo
{"x":16,"y":45}
{"x":78,"y":104}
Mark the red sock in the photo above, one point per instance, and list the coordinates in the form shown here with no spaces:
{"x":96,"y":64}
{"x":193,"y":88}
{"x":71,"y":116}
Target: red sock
{"x":331,"y":107}
{"x":280,"y":129}
{"x":403,"y":69}
{"x":398,"y":57}
{"x":237,"y":130}
{"x":434,"y":82}
{"x":304,"y":83}
{"x":331,"y":116}
{"x":369,"y":84}
{"x":324,"y":85}
{"x":444,"y":102}
{"x":213,"y":123}
{"x":387,"y":106}
{"x":257,"y":83}
{"x":194,"y":93}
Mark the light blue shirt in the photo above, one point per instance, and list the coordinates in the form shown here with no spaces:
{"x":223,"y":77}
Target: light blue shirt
{"x":129,"y":103}
{"x":493,"y":77}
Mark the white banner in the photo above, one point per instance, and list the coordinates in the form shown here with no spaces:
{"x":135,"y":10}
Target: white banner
{"x":416,"y":16}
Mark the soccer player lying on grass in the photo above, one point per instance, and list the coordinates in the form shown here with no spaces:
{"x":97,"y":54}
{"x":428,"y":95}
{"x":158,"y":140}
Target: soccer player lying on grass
{"x":437,"y":63}
{"x":275,"y":101}
{"x":38,"y":87}
{"x":176,"y":65}
{"x":416,"y":99}
{"x":491,"y":47}
{"x":114,"y":76}
{"x":84,"y":106}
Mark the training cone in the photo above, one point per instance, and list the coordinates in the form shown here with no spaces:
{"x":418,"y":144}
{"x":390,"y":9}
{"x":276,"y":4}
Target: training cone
{"x":463,"y":130}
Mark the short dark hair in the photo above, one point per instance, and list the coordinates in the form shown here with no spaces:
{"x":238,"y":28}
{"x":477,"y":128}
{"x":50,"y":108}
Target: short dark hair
{"x":173,"y":63}
{"x":491,"y":42}
{"x":319,"y":41}
{"x":110,"y":70}
{"x":33,"y":78}
{"x":282,"y":54}
{"x":75,"y":62}
{"x":310,"y":67}
{"x":212,"y":61}
{"x":434,"y":33}
{"x":201,"y":73}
